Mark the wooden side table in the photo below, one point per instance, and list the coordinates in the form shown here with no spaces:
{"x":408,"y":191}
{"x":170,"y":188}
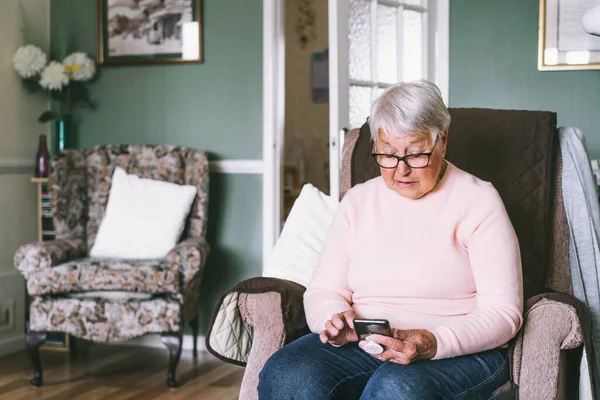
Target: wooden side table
{"x":54,"y":340}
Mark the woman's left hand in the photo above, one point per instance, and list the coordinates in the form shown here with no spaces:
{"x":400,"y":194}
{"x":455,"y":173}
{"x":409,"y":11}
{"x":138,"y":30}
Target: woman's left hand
{"x":406,"y":346}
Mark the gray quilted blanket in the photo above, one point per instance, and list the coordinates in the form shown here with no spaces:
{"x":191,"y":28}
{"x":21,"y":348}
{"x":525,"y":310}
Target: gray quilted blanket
{"x":583,"y":216}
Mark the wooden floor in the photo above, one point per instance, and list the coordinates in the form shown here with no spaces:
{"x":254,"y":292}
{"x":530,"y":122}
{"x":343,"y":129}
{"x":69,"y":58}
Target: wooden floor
{"x":102,"y":372}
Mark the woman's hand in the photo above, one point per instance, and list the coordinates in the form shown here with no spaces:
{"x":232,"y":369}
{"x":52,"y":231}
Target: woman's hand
{"x":339,"y":330}
{"x":406,"y":346}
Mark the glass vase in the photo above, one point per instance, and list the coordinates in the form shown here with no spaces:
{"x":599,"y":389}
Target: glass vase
{"x":42,"y":159}
{"x":62,"y":135}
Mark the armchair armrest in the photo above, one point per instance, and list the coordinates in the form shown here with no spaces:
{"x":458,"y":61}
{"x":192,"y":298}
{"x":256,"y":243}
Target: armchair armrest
{"x":289,"y":306}
{"x":553,"y":324}
{"x":252,"y":321}
{"x":189,"y":256}
{"x":40,"y":255}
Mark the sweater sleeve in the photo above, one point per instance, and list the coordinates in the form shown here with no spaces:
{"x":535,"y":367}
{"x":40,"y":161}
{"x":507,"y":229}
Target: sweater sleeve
{"x":496,"y":263}
{"x":328,"y":292}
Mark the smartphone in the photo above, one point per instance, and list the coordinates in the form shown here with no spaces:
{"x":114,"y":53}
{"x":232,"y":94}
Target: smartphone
{"x":365,"y":327}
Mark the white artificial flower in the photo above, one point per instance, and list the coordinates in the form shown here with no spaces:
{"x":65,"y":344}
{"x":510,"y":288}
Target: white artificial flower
{"x":54,"y":76}
{"x":29,"y":61}
{"x":80,"y":66}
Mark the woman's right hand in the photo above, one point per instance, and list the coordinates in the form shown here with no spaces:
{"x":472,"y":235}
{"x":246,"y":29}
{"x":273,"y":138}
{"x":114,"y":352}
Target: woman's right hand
{"x":339,"y":330}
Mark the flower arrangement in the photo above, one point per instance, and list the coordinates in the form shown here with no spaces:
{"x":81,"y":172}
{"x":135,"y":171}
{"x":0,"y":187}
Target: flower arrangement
{"x":64,"y":81}
{"x":306,"y":23}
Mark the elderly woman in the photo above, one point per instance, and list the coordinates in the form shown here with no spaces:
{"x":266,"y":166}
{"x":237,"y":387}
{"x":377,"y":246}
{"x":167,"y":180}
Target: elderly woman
{"x":426,"y":246}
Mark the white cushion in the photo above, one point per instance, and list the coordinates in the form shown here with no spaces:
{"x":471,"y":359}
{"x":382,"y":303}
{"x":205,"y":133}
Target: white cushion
{"x":296,"y":253}
{"x":144,"y":218}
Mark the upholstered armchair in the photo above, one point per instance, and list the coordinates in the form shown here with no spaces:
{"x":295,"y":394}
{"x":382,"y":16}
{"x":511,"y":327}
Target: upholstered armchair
{"x":110,"y":300}
{"x":518,"y":152}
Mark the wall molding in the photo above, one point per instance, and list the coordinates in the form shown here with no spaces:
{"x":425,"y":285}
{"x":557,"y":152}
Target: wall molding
{"x":9,"y":272}
{"x":24,"y":166}
{"x":16,"y":166}
{"x":12,"y":292}
{"x":236,"y":167}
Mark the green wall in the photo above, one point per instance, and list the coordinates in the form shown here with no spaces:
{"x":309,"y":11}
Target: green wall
{"x":235,"y":236}
{"x":493,"y":63}
{"x":216,"y":106}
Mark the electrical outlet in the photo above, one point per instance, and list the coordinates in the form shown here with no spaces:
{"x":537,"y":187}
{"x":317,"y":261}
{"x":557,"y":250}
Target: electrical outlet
{"x":7,"y":315}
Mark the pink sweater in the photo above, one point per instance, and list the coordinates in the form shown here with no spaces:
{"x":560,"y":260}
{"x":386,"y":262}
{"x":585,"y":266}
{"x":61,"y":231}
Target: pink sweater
{"x":448,"y":262}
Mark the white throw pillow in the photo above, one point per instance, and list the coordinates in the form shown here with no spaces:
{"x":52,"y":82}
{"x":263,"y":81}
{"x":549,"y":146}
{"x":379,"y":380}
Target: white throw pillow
{"x":144,"y":218}
{"x":296,"y":253}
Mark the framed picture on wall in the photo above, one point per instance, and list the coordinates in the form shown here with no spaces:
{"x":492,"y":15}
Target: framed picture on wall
{"x":569,"y":36}
{"x":142,"y":32}
{"x":320,"y":76}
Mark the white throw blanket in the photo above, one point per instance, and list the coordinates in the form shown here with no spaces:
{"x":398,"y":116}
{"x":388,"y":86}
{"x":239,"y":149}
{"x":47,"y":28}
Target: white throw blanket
{"x":583,"y":217}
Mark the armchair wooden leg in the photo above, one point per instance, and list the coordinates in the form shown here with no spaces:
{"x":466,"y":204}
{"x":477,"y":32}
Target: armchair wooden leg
{"x":194,"y":325}
{"x":173,"y":341}
{"x":34,"y":341}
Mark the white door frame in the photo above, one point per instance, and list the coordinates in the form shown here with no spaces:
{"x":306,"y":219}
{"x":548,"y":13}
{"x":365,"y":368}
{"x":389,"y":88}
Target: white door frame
{"x":337,"y":17}
{"x":440,"y":32}
{"x":274,"y":102}
{"x":273,"y":120}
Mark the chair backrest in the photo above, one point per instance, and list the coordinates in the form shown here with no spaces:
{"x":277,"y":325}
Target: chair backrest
{"x":517,"y":151}
{"x":81,"y":182}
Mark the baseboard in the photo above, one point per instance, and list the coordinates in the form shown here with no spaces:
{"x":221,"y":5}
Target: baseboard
{"x":17,"y":343}
{"x":12,"y":345}
{"x":154,"y":341}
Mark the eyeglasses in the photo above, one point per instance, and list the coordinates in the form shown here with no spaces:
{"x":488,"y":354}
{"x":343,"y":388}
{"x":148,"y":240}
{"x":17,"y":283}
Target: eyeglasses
{"x":391,"y":161}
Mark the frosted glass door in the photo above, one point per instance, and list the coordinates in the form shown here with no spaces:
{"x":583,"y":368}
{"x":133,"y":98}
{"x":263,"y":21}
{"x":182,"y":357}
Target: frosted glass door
{"x":372,"y":45}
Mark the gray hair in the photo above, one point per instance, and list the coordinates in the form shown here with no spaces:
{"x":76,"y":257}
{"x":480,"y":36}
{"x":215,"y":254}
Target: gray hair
{"x":410,"y":108}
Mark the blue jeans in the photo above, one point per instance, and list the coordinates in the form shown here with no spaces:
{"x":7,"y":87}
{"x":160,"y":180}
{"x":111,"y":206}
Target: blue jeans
{"x":308,"y":369}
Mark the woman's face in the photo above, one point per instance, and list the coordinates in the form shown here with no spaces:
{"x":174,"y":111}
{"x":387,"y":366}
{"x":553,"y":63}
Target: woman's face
{"x":412,"y":183}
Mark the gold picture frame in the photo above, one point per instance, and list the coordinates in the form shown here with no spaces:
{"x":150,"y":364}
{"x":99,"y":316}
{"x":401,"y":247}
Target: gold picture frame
{"x":563,"y":44}
{"x":149,"y":32}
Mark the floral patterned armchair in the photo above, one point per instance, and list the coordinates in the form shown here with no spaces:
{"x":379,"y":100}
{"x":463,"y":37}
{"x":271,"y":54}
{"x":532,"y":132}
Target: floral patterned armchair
{"x":106,"y":300}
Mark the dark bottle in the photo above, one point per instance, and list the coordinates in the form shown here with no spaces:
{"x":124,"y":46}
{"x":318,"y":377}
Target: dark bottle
{"x":42,"y":159}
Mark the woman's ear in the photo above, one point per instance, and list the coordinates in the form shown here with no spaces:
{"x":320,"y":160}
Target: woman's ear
{"x":444,"y":142}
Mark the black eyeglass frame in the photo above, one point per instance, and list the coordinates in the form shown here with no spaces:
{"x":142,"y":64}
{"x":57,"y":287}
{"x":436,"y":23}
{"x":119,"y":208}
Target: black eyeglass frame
{"x":408,"y":156}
